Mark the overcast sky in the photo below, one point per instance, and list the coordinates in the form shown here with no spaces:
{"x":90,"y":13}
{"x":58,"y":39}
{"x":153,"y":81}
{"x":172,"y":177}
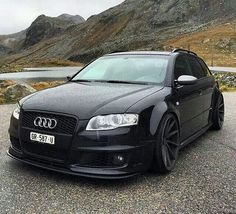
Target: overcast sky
{"x":17,"y":15}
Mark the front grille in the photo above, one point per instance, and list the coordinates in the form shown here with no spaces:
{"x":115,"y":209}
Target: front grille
{"x":65,"y":124}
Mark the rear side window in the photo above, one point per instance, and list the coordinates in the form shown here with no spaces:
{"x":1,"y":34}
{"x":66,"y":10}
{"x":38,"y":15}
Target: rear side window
{"x":181,"y":67}
{"x":204,"y":67}
{"x":196,"y":68}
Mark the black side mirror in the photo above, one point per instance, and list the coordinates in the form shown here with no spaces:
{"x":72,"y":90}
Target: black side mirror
{"x":68,"y":78}
{"x":187,"y":80}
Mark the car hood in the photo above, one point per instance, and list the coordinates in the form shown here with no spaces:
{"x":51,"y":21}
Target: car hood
{"x":86,"y":100}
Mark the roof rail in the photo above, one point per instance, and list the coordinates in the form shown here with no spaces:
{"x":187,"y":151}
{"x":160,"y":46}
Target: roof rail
{"x":117,"y":51}
{"x":183,"y":50}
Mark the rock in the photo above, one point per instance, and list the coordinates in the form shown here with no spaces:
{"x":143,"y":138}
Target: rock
{"x":17,"y":91}
{"x":5,"y":83}
{"x":224,"y":43}
{"x":227,"y":79}
{"x":206,"y":41}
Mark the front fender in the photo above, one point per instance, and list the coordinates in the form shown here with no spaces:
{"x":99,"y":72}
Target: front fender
{"x":152,"y":109}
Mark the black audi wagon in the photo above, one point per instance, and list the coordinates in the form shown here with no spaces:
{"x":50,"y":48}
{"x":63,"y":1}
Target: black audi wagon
{"x":120,"y":115}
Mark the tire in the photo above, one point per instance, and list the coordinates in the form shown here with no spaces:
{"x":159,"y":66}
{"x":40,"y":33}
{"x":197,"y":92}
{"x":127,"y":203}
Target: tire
{"x":167,"y":145}
{"x":218,"y":114}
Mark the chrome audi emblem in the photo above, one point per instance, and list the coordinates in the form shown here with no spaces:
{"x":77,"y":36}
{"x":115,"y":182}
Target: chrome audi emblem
{"x":44,"y":122}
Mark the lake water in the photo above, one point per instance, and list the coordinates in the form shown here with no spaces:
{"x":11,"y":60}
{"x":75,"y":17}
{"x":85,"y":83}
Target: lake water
{"x":41,"y":74}
{"x":60,"y":73}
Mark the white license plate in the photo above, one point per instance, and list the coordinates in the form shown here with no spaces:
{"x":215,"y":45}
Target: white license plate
{"x":42,"y":138}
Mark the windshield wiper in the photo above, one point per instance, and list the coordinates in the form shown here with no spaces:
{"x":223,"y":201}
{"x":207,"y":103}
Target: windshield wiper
{"x":80,"y":80}
{"x":112,"y":81}
{"x":122,"y":82}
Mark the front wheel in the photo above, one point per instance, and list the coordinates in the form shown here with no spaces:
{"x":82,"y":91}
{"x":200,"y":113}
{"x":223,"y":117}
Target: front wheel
{"x":167,"y":145}
{"x":218,"y":114}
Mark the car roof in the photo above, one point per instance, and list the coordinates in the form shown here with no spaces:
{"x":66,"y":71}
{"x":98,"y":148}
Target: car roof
{"x":140,"y":53}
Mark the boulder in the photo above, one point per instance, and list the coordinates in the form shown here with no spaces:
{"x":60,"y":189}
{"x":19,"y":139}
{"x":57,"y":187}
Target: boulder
{"x":17,"y":91}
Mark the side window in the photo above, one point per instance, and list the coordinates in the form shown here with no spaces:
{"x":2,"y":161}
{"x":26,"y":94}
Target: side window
{"x":205,"y":68}
{"x":196,"y":68}
{"x":181,"y":67}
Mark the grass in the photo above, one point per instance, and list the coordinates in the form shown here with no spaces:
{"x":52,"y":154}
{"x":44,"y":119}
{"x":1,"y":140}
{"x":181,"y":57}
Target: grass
{"x":225,"y":88}
{"x":43,"y":85}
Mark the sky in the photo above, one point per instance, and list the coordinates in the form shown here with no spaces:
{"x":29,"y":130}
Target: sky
{"x":17,"y":15}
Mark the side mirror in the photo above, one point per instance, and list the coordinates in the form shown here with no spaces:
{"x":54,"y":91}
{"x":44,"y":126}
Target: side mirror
{"x":187,"y":80}
{"x":68,"y":78}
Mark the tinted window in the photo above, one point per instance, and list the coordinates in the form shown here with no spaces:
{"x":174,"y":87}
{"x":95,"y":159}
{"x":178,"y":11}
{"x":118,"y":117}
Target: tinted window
{"x":196,"y":68}
{"x":134,"y":68}
{"x":181,"y":67}
{"x":205,"y":68}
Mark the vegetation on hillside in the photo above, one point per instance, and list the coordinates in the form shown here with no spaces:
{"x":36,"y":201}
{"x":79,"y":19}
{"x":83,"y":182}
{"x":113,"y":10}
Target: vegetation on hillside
{"x":216,"y":44}
{"x":20,"y":65}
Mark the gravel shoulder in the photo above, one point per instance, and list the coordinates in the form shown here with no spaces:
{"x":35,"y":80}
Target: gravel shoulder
{"x":204,"y":181}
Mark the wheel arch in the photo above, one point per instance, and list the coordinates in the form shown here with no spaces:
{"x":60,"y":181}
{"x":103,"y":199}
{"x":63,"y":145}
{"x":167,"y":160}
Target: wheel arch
{"x":216,"y":94}
{"x":159,"y":113}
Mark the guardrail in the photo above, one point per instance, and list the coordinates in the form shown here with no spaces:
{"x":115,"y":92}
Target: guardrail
{"x":223,"y":69}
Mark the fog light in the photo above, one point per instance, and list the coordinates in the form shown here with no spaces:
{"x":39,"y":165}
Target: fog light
{"x":118,"y":159}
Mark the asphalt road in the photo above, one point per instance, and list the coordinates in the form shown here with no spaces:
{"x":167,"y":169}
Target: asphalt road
{"x":204,"y":181}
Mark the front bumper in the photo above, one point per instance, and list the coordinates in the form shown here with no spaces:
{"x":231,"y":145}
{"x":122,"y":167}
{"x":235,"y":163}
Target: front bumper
{"x":124,"y":171}
{"x":114,"y":154}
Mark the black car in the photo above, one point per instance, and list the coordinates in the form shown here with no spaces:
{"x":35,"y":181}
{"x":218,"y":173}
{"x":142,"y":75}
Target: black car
{"x":122,"y":114}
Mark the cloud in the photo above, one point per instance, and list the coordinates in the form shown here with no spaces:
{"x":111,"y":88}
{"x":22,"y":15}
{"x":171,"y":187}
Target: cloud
{"x":17,"y":15}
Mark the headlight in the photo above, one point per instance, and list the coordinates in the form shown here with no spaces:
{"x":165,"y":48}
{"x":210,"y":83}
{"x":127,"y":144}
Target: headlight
{"x":16,"y":112}
{"x":112,"y":121}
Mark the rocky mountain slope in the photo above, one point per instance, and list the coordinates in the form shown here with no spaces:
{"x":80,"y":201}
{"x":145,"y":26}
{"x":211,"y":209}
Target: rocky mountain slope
{"x":43,"y":27}
{"x":11,"y":43}
{"x":134,"y":24}
{"x":76,"y":19}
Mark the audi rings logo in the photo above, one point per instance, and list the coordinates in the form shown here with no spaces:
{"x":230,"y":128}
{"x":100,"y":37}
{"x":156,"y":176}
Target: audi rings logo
{"x":44,"y":122}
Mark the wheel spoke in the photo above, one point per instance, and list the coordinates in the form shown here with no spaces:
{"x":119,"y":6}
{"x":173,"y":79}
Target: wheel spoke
{"x":169,"y":162}
{"x":171,"y":125}
{"x":221,"y":105}
{"x":164,"y":154}
{"x":171,"y":153}
{"x":172,"y":142}
{"x":170,"y":134}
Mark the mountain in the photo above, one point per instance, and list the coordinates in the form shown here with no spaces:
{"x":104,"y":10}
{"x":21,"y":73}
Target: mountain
{"x":43,"y":27}
{"x":75,"y":19}
{"x":4,"y":50}
{"x":134,"y":24}
{"x":11,"y":42}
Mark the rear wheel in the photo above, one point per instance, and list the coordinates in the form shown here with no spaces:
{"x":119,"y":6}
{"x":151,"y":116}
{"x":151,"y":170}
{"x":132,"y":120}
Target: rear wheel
{"x":167,"y":145}
{"x":218,"y":114}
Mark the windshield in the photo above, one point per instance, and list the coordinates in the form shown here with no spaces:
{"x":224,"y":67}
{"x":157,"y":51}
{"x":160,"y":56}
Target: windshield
{"x":129,"y":69}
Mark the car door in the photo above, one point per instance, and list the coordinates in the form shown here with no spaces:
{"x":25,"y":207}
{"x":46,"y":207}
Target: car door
{"x":208,"y":82}
{"x":188,"y":99}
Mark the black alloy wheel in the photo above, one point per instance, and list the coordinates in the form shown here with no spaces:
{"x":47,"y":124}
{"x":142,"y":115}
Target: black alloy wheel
{"x":218,"y":114}
{"x":167,"y":146}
